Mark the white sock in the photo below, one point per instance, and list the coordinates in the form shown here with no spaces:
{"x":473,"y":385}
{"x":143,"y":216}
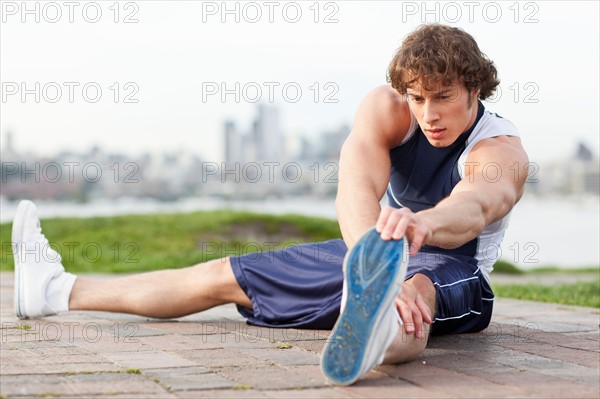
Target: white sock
{"x":59,"y":290}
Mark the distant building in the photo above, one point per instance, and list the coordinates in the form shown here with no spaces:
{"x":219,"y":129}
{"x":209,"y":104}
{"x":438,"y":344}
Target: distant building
{"x":8,"y":150}
{"x":331,"y":143}
{"x":583,"y":153}
{"x":233,"y":143}
{"x":8,"y":146}
{"x":584,"y":172}
{"x":577,"y":175}
{"x":267,"y":134}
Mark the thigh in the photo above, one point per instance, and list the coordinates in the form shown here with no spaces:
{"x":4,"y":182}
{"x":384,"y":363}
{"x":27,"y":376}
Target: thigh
{"x":299,"y":286}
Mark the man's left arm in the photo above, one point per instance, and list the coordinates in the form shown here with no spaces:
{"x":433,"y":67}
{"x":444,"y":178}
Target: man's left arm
{"x":492,"y":183}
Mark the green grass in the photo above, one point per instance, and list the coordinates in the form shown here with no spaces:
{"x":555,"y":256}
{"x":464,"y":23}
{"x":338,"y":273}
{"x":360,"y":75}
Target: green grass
{"x":133,"y":371}
{"x":135,"y":243}
{"x":557,"y":270}
{"x":506,"y":268}
{"x":242,"y":387}
{"x":22,"y":326}
{"x":581,"y":293}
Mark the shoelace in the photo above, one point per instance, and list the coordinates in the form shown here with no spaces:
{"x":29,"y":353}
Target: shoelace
{"x":53,"y":256}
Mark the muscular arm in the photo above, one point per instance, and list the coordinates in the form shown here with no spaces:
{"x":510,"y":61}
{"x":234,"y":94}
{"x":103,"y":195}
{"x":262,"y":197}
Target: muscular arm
{"x":489,"y":190}
{"x":476,"y":201}
{"x":381,"y":122}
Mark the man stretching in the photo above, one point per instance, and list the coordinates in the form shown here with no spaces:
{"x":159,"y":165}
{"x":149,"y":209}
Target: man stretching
{"x":400,"y":273}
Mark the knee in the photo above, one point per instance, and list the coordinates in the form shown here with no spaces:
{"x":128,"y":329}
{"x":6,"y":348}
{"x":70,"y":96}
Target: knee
{"x":214,"y":268}
{"x":215,"y":276}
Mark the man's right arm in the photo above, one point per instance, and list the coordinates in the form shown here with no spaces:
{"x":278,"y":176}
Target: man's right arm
{"x":382,"y":121}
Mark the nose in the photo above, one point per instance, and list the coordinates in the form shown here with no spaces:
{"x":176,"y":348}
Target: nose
{"x":430,"y":112}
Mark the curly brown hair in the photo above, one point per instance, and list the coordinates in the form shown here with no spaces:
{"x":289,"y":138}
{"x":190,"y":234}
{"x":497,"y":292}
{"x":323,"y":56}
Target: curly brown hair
{"x":436,"y":54}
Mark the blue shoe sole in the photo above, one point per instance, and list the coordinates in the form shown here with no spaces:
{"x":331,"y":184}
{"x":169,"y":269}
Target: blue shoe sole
{"x":375,"y":270}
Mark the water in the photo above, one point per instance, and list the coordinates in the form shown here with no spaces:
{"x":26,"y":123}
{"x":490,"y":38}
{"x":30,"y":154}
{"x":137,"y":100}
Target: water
{"x":554,"y":232}
{"x":543,"y":232}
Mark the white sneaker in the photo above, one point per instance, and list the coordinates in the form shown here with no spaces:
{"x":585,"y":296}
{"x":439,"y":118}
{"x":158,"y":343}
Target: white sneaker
{"x":368,"y":323}
{"x":42,"y":287}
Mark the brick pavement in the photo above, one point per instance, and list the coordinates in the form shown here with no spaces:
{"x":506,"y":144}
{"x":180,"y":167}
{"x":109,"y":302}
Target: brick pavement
{"x":530,"y":350}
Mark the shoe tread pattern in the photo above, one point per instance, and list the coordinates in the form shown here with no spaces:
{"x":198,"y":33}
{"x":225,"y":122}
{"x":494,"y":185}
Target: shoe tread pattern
{"x":372,"y":270}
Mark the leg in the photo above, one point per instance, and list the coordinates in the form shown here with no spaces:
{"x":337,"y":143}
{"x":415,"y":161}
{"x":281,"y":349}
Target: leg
{"x":43,"y":288}
{"x":161,"y":294}
{"x":407,"y":347}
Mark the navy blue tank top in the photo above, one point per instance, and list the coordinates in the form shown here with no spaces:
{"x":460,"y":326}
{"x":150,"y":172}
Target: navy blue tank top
{"x":422,"y":175}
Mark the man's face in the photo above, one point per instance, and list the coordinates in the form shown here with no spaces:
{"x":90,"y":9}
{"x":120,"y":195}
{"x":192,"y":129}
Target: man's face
{"x":443,"y":113}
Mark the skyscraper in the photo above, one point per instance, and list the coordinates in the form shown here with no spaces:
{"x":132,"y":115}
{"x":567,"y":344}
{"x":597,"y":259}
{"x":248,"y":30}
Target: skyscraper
{"x":267,"y":134}
{"x":233,"y":143}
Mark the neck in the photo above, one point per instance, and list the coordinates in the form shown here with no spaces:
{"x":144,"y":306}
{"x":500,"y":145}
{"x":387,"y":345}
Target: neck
{"x":474,"y":111}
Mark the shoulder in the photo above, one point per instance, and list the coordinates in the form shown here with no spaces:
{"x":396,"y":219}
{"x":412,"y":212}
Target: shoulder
{"x":501,"y":160}
{"x":492,"y":124}
{"x":498,"y":146}
{"x":496,"y":137}
{"x":500,"y":149}
{"x":383,"y":114}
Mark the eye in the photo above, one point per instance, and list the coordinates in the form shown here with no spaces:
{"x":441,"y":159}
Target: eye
{"x":443,"y":97}
{"x":417,"y":99}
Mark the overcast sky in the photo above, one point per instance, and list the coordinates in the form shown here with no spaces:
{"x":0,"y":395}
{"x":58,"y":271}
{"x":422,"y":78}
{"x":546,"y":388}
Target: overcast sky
{"x":174,"y":57}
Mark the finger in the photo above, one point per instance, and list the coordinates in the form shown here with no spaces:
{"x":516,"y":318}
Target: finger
{"x":406,"y":315}
{"x":399,"y":311}
{"x":420,"y":236}
{"x":397,"y":304}
{"x":416,"y":241}
{"x":400,"y":229}
{"x":383,"y":217}
{"x":390,"y":225}
{"x":425,"y":311}
{"x":412,"y":249}
{"x":418,"y":320}
{"x":398,"y":301}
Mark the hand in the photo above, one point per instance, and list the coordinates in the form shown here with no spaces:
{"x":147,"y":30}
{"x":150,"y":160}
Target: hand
{"x":396,"y":223}
{"x":413,"y":310}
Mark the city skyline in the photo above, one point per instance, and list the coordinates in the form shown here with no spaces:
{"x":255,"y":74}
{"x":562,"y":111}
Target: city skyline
{"x":259,"y":160}
{"x":13,"y":143}
{"x":166,"y":77}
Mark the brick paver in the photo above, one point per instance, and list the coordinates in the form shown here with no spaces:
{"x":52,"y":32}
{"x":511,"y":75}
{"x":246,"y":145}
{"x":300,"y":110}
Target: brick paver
{"x":530,"y":350}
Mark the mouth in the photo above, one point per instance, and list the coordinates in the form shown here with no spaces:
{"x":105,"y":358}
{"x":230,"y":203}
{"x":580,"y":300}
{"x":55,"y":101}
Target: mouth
{"x":435,"y":133}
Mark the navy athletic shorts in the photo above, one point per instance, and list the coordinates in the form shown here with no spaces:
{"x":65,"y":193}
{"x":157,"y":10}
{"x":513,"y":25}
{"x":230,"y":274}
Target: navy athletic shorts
{"x":301,"y":287}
